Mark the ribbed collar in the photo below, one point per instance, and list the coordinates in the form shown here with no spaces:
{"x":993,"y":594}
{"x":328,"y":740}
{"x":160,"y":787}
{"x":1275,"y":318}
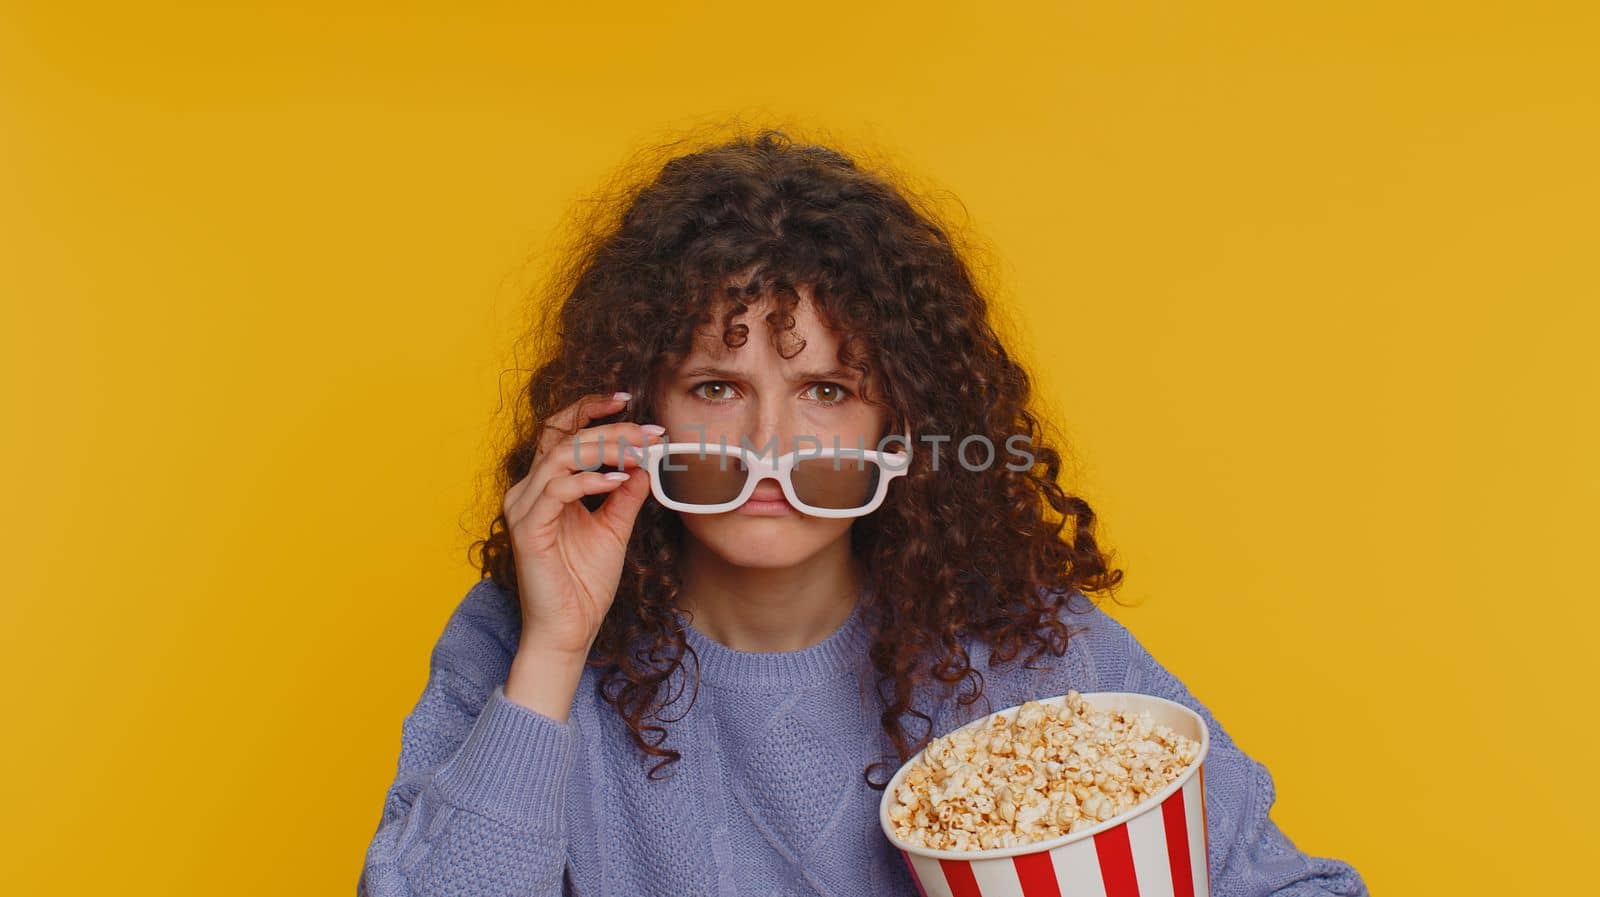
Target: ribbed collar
{"x":845,"y":649}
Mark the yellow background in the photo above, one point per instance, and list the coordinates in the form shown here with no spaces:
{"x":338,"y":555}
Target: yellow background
{"x":1312,"y":289}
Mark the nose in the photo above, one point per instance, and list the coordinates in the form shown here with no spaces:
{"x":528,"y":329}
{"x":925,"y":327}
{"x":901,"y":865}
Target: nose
{"x":771,"y":439}
{"x":769,"y":490}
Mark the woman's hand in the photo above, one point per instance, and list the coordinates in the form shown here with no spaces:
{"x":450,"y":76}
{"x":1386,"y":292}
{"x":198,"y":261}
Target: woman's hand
{"x":568,"y":558}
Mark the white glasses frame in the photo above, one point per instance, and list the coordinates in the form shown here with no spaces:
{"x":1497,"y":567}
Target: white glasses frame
{"x":892,"y":465}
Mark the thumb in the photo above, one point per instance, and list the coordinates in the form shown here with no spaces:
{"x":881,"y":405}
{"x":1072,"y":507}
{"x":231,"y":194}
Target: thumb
{"x":621,"y":508}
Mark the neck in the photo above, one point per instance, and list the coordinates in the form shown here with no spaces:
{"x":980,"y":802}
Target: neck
{"x":770,"y":608}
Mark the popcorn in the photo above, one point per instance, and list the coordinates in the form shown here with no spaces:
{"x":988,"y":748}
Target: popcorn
{"x":1055,"y":768}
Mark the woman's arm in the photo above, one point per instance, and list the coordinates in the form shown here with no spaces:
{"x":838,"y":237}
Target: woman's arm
{"x":478,"y":804}
{"x":1249,"y":855}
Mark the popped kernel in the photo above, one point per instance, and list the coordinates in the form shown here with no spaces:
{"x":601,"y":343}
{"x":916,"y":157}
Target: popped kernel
{"x":1054,"y":769}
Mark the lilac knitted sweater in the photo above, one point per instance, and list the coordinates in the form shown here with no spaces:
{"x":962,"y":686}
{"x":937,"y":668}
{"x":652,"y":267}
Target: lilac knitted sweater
{"x":492,"y":798}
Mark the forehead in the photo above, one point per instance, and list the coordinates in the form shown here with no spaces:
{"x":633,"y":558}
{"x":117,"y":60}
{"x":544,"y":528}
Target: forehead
{"x":762,"y":344}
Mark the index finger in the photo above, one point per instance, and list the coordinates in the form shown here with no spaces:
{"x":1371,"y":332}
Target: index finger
{"x":571,"y":418}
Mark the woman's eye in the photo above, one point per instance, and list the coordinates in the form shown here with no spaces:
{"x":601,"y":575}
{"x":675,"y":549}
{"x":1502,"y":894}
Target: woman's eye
{"x":723,"y":385}
{"x":830,"y":393}
{"x":717,"y":392}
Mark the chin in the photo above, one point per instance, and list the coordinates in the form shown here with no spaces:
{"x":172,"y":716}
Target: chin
{"x":765,"y":541}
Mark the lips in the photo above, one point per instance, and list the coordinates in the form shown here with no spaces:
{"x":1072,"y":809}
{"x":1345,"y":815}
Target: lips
{"x":768,"y":504}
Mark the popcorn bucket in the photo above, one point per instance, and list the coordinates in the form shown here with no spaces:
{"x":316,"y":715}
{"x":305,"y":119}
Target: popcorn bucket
{"x":1156,"y":849}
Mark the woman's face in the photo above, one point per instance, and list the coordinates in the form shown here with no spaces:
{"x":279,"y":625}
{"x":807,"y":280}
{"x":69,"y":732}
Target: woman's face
{"x":775,"y":405}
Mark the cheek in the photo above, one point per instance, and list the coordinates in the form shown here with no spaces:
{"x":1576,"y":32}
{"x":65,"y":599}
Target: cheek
{"x":862,"y":428}
{"x":683,"y":417}
{"x":676,"y":417}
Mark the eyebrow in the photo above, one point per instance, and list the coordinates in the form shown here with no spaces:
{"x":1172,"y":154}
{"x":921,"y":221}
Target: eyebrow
{"x":802,"y":377}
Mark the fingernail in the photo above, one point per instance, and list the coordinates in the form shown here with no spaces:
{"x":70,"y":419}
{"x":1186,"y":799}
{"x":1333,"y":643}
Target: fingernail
{"x":617,"y":475}
{"x":621,"y":396}
{"x":653,"y":429}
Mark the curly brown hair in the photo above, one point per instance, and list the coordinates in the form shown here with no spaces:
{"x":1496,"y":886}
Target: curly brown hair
{"x":992,"y":553}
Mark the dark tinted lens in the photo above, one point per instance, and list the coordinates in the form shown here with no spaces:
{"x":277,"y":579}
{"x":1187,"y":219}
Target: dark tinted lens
{"x":702,"y":478}
{"x":837,"y":484}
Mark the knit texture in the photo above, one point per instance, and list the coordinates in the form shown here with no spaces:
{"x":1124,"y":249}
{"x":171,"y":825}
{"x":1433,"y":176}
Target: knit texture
{"x":768,"y":799}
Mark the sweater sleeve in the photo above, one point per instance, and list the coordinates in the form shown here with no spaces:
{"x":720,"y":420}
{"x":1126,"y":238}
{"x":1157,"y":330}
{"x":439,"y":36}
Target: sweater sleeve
{"x":1249,"y":855}
{"x":478,"y":802}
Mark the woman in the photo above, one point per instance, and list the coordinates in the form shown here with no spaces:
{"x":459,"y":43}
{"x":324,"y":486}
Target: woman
{"x":643,"y":699}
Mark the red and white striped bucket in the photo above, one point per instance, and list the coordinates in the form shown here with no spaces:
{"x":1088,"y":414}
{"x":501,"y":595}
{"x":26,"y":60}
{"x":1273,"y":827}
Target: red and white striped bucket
{"x":1157,"y":849}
